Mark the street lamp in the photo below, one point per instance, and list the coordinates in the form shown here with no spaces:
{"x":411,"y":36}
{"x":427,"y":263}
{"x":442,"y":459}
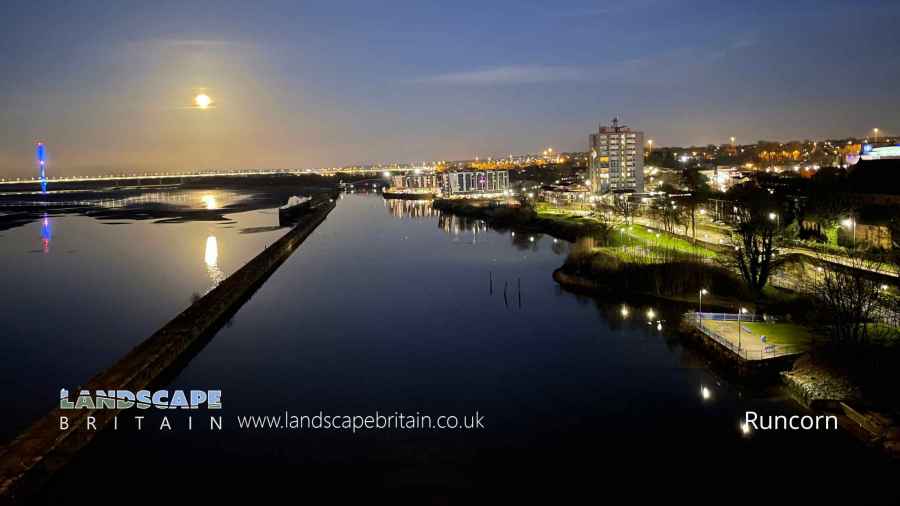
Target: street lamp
{"x":703,"y":292}
{"x":742,"y":311}
{"x":851,"y":224}
{"x":876,"y":134}
{"x":650,"y":144}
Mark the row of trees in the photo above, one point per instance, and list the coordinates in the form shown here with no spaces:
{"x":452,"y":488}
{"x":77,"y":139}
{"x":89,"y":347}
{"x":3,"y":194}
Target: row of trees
{"x":851,"y":295}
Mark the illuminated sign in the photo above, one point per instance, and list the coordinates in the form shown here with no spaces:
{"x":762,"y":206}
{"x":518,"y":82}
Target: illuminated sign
{"x":882,"y":152}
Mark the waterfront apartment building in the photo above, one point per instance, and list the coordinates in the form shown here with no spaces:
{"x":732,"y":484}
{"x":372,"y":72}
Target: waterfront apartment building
{"x":415,"y":182}
{"x":617,"y":159}
{"x":473,"y":183}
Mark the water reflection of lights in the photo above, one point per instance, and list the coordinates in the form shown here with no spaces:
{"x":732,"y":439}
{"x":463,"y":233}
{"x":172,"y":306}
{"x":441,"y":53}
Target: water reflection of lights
{"x":210,"y":202}
{"x":400,"y":208}
{"x":211,"y":257}
{"x":454,"y":225}
{"x":705,"y":393}
{"x":157,"y":197}
{"x":46,"y":234}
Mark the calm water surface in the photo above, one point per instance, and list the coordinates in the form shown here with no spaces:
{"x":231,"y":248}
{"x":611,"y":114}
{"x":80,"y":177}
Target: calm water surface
{"x":389,"y":307}
{"x":78,"y":293}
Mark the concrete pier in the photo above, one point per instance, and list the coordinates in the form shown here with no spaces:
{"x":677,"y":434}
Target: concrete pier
{"x":29,"y":460}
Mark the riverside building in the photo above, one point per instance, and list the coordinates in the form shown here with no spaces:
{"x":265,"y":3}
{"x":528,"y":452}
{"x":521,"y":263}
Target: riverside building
{"x":617,"y":159}
{"x":474,"y":183}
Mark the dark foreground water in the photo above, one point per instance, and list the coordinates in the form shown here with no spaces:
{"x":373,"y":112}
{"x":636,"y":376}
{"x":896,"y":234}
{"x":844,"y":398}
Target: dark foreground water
{"x":394,"y":309}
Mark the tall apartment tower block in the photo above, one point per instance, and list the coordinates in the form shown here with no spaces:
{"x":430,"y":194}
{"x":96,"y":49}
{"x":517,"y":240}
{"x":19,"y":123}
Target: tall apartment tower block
{"x":617,"y":159}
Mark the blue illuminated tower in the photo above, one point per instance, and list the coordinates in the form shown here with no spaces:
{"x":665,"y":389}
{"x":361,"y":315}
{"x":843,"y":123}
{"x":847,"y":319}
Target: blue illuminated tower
{"x":42,"y":166}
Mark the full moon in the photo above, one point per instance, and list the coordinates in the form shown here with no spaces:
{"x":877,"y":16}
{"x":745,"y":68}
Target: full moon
{"x":202,"y":100}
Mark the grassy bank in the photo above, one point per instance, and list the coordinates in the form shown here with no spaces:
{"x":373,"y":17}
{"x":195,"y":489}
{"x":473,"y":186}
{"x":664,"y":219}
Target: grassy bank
{"x":511,"y":215}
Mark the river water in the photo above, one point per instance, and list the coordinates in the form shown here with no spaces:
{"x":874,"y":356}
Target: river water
{"x":388,"y":307}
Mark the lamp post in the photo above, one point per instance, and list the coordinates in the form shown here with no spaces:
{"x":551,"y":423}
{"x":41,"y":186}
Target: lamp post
{"x":702,"y":293}
{"x":851,"y":224}
{"x":740,"y":312}
{"x":876,"y":134}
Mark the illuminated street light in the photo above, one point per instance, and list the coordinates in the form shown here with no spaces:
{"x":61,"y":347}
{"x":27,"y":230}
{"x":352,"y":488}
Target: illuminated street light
{"x":876,"y":134}
{"x":624,"y":311}
{"x":650,"y":314}
{"x":705,"y":394}
{"x":851,"y":224}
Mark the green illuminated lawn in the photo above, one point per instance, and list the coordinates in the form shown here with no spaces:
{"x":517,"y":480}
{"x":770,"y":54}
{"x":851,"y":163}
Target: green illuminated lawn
{"x":665,"y":240}
{"x":785,"y":334}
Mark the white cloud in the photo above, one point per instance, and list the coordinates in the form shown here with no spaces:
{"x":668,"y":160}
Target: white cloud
{"x":511,"y":74}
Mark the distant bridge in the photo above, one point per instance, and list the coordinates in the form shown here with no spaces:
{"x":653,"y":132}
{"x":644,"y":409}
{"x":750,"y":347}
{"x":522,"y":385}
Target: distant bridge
{"x":200,"y":174}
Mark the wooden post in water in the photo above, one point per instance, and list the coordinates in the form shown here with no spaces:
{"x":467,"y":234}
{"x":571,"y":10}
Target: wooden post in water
{"x":519,"y":280}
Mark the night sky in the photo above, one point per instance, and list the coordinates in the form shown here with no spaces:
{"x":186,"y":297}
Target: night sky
{"x":110,"y":85}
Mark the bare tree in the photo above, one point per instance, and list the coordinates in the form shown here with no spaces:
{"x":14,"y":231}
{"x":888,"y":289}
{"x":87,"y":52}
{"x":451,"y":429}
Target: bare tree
{"x":851,"y":296}
{"x":698,"y":186}
{"x":668,"y":214}
{"x":624,"y":207}
{"x":755,"y":238}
